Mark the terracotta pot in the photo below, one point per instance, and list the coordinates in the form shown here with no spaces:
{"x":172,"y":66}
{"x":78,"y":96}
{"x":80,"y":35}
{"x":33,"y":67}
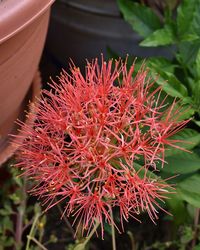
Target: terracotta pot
{"x":7,"y":148}
{"x":23,"y":28}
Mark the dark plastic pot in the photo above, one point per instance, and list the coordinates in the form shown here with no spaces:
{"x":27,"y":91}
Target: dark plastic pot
{"x":85,"y":29}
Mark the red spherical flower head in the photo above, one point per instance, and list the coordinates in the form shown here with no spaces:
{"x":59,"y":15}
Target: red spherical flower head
{"x":88,"y":137}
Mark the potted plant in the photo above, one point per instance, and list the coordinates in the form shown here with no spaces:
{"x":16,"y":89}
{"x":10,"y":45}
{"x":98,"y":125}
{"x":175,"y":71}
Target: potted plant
{"x":23,"y":29}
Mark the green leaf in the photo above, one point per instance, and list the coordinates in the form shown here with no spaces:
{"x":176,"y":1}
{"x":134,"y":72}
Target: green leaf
{"x":196,"y":95}
{"x":8,"y":224}
{"x":182,"y":163}
{"x":7,"y":210}
{"x":177,"y":208}
{"x":198,"y":64}
{"x":15,"y":198}
{"x":80,"y":246}
{"x":186,"y":110}
{"x":190,"y":138}
{"x":185,"y":20}
{"x":196,"y":20}
{"x":187,"y":235}
{"x":197,"y":247}
{"x":143,"y":172}
{"x":170,"y":84}
{"x":197,"y":122}
{"x":189,"y":189}
{"x":7,"y":242}
{"x":142,"y":19}
{"x":188,"y":52}
{"x":161,"y":63}
{"x":160,"y":37}
{"x":191,"y":197}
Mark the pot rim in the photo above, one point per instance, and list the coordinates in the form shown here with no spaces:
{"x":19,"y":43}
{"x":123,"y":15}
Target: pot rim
{"x":99,"y":7}
{"x":16,"y":15}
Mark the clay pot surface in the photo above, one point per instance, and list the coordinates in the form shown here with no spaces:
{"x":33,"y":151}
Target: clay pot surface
{"x":17,"y":15}
{"x":7,"y":148}
{"x":23,"y":28}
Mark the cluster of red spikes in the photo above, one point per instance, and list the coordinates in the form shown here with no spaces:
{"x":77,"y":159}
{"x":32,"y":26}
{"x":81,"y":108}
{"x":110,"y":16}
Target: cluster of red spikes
{"x":88,"y":137}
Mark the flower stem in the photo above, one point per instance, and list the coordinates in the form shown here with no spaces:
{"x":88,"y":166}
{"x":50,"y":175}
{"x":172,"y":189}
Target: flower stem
{"x":113,"y":232}
{"x":133,"y":245}
{"x":20,"y":215}
{"x":36,"y":242}
{"x":30,"y":236}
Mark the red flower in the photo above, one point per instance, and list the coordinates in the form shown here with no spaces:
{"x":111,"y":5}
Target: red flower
{"x":89,"y":133}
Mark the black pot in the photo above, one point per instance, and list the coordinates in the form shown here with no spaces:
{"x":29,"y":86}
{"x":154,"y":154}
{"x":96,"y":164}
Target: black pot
{"x":85,"y":29}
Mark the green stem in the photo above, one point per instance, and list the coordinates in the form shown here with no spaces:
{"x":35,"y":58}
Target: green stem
{"x":36,"y":242}
{"x":20,"y":215}
{"x":113,"y":232}
{"x":133,"y":246}
{"x":30,"y":236}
